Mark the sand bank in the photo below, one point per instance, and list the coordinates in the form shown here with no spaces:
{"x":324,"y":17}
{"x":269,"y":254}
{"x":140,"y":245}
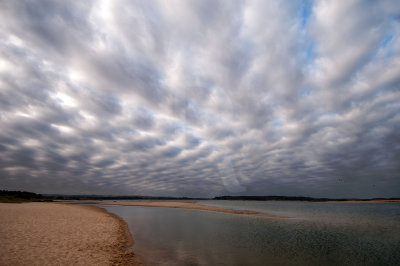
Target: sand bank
{"x":361,"y":201}
{"x":60,"y":234}
{"x":190,"y":205}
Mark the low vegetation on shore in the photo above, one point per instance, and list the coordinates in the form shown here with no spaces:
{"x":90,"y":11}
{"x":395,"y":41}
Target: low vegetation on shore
{"x":24,"y":196}
{"x":21,"y":196}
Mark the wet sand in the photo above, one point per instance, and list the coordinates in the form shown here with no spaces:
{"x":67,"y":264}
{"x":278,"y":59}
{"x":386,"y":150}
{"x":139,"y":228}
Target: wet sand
{"x":190,"y":205}
{"x":61,"y":234}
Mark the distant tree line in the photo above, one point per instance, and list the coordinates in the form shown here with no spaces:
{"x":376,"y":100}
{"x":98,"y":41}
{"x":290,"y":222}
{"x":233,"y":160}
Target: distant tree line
{"x":24,"y":196}
{"x":20,"y":196}
{"x":294,"y":198}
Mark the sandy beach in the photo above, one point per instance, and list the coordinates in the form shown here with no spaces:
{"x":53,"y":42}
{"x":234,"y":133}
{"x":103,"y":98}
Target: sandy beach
{"x":61,"y":234}
{"x":190,"y":205}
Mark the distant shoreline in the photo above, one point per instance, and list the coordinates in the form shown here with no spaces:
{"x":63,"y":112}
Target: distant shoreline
{"x":362,"y":201}
{"x":307,"y":199}
{"x":24,"y":196}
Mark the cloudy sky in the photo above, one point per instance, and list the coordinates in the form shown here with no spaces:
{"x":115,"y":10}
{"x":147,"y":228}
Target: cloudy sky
{"x":200,"y":98}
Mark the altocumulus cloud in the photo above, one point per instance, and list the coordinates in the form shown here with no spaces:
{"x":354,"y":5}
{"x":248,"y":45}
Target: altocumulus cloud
{"x":200,"y":98}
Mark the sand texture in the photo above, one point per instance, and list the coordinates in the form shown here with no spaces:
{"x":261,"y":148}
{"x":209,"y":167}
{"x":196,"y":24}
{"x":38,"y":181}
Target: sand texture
{"x":61,"y":234}
{"x":190,"y":205}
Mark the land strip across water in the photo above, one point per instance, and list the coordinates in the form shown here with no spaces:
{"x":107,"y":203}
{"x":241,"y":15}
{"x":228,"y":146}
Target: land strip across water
{"x":190,"y":205}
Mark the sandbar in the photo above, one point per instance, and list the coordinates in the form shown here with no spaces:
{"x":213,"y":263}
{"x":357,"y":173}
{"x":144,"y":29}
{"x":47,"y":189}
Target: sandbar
{"x":363,"y":201}
{"x":190,"y":205}
{"x":62,"y":234}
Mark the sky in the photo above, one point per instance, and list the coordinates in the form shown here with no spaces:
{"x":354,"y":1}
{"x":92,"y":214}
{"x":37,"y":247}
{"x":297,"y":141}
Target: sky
{"x":200,"y":98}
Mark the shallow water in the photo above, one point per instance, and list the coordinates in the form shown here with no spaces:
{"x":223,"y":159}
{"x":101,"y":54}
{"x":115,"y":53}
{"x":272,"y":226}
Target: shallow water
{"x":316,"y":234}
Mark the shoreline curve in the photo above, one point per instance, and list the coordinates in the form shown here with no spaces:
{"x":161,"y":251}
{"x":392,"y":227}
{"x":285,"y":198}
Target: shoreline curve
{"x":127,"y":257}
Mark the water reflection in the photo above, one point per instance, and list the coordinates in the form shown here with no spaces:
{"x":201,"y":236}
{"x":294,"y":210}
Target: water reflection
{"x":166,"y":236}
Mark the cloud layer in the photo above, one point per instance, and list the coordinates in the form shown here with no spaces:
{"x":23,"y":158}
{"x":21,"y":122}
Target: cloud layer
{"x":200,"y":98}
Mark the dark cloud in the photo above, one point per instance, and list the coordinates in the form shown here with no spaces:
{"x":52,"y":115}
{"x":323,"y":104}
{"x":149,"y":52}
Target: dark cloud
{"x":171,"y":152}
{"x":143,"y":119}
{"x":200,"y":98}
{"x":192,"y":141}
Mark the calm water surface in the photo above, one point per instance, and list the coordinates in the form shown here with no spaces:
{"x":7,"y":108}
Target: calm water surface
{"x":315,"y":234}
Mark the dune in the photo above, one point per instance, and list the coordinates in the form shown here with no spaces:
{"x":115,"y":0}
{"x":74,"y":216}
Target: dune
{"x":62,"y":234}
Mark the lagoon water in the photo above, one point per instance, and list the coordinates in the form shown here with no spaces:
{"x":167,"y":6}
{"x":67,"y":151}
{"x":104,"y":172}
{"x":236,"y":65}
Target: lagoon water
{"x":315,"y":234}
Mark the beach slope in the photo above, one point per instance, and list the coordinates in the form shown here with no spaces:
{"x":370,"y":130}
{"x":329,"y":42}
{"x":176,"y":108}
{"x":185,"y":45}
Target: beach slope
{"x":61,"y":234}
